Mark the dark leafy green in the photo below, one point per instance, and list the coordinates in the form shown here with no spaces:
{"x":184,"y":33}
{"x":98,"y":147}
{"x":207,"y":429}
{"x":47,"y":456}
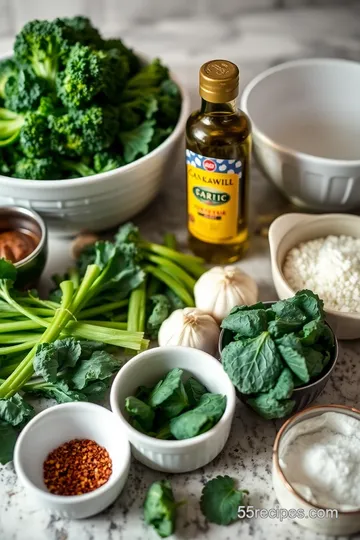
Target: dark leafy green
{"x":142,"y":413}
{"x":269,"y":407}
{"x":220,"y":500}
{"x":160,"y":508}
{"x":194,"y":390}
{"x":164,"y":389}
{"x":100,"y":366}
{"x":8,"y":436}
{"x":247,"y":322}
{"x":204,"y":416}
{"x":15,"y":411}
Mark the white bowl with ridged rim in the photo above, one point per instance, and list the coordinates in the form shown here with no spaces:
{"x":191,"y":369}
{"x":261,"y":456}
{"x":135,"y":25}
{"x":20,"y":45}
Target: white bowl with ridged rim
{"x":60,"y":424}
{"x":103,"y":200}
{"x":147,"y":369}
{"x":305,"y":116}
{"x":287,"y":232}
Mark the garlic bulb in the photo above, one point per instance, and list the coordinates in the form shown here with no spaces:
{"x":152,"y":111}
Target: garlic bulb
{"x":190,"y":327}
{"x":220,"y":289}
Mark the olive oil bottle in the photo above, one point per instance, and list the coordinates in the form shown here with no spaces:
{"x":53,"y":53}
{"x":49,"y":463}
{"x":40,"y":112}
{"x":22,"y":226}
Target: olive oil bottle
{"x":218,"y":148}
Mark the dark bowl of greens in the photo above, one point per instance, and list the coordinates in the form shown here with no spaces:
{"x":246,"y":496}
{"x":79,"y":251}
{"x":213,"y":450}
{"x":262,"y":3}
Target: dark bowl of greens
{"x":279,"y":355}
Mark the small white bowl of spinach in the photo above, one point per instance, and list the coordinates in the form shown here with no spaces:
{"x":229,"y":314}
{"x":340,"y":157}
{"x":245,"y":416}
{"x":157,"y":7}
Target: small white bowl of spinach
{"x":279,"y":355}
{"x":177,"y":405}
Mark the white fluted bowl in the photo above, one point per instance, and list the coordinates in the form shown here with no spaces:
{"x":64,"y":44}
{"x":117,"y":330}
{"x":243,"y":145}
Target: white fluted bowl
{"x":104,"y":200}
{"x":305,"y":116}
{"x":146,"y":369}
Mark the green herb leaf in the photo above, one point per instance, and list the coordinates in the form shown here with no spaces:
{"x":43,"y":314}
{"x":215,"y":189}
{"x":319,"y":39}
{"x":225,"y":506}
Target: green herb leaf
{"x":284,"y":386}
{"x":247,"y":322}
{"x":310,"y":304}
{"x":15,"y":410}
{"x":164,"y":389}
{"x":8,"y":436}
{"x":280,"y":327}
{"x":269,"y":407}
{"x":194,"y":390}
{"x":253,"y":366}
{"x":292,"y":352}
{"x":100,"y":366}
{"x":220,"y":500}
{"x":160,"y":508}
{"x":140,"y":412}
{"x":288,"y":311}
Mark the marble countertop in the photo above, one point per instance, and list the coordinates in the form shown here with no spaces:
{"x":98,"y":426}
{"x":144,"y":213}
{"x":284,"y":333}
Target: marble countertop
{"x":255,"y":42}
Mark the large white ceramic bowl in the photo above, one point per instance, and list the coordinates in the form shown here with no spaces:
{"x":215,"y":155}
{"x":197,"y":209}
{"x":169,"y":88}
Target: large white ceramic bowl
{"x":147,"y":369}
{"x":317,"y":518}
{"x":287,"y":232}
{"x":60,"y":424}
{"x":306,"y":131}
{"x":103,"y":200}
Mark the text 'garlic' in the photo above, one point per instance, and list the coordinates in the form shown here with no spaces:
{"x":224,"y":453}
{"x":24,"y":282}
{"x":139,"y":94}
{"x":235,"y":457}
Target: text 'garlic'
{"x":222,"y":288}
{"x":190,"y":327}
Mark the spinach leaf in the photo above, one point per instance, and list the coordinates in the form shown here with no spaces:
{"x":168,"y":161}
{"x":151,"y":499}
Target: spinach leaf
{"x":46,"y":362}
{"x":160,"y":310}
{"x":292,"y":352}
{"x":247,"y":322}
{"x":8,"y":436}
{"x":143,"y":393}
{"x":190,"y":424}
{"x":164,"y":389}
{"x":100,"y":366}
{"x":280,"y":327}
{"x":160,"y":508}
{"x":15,"y":410}
{"x":140,"y":411}
{"x":310,"y":304}
{"x":59,"y":391}
{"x":194,"y":390}
{"x":220,"y":500}
{"x":269,"y":407}
{"x":253,"y":366}
{"x":284,"y":386}
{"x":176,"y":403}
{"x":288,"y":311}
{"x":213,"y":405}
{"x":164,"y":432}
{"x":314,"y":361}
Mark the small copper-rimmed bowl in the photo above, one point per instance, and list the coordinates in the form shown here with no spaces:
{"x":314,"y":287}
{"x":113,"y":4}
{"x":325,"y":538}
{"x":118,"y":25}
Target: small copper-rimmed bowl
{"x":16,"y":218}
{"x":302,"y":395}
{"x":322,"y":520}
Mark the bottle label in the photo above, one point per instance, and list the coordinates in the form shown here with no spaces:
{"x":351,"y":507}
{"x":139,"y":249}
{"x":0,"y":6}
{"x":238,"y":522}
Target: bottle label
{"x":213,"y":197}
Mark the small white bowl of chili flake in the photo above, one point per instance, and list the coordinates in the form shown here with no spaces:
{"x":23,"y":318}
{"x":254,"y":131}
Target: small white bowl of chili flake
{"x":73,"y":459}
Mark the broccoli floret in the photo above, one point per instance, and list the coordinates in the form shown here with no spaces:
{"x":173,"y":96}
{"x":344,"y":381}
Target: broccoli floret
{"x":44,"y":46}
{"x":37,"y":169}
{"x":23,"y":91}
{"x":35,"y":135}
{"x":78,"y":168}
{"x":169,"y":104}
{"x":132,"y":59}
{"x":133,"y":112}
{"x":7,"y":69}
{"x":90,"y":73}
{"x":83,"y":31}
{"x":83,"y":132}
{"x":10,"y":126}
{"x":107,"y":161}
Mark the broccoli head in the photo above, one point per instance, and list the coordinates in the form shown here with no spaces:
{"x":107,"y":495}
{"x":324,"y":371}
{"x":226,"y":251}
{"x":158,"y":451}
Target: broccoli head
{"x":23,"y":91}
{"x":10,"y":126}
{"x":44,"y":46}
{"x":90,"y":73}
{"x":107,"y":161}
{"x":134,"y":111}
{"x":35,"y":135}
{"x":150,"y":76}
{"x":82,"y":31}
{"x":7,"y":69}
{"x":83,"y":132}
{"x":37,"y":169}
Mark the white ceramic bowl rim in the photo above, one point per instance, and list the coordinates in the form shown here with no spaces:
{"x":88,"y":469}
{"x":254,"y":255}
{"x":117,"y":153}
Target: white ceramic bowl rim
{"x":76,"y":182}
{"x":70,"y":499}
{"x":345,"y":314}
{"x":279,"y":435}
{"x":281,"y":67}
{"x":164,"y":444}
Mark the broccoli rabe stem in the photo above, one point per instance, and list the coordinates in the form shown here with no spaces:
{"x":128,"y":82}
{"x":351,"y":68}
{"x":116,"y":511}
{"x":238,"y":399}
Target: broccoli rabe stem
{"x":174,"y":270}
{"x":166,"y":278}
{"x":170,"y":241}
{"x":137,"y":309}
{"x":190,"y":263}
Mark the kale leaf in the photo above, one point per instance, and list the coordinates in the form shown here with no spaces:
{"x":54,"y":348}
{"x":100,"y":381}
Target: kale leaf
{"x":100,"y":366}
{"x":267,"y":406}
{"x":245,"y":321}
{"x":15,"y":411}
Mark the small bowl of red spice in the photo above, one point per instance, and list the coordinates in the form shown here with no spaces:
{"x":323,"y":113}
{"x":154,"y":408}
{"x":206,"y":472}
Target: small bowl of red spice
{"x":23,"y":241}
{"x":73,"y":459}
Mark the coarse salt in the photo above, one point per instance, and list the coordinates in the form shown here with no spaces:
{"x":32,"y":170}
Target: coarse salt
{"x":330,"y":267}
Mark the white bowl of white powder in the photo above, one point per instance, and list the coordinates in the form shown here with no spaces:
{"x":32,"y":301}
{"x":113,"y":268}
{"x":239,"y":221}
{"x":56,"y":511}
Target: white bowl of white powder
{"x":320,"y":253}
{"x":316,"y":468}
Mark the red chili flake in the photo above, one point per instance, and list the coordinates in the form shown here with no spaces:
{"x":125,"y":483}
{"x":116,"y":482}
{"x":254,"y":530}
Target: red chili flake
{"x":77,"y":467}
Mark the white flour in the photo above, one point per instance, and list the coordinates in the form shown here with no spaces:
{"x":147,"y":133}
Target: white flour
{"x":330,"y":267}
{"x":320,"y":458}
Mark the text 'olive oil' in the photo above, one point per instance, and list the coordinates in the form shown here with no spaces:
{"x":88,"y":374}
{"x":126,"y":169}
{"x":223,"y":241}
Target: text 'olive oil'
{"x":218,"y":148}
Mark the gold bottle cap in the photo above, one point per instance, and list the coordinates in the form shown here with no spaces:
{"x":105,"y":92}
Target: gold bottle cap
{"x":219,"y":81}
